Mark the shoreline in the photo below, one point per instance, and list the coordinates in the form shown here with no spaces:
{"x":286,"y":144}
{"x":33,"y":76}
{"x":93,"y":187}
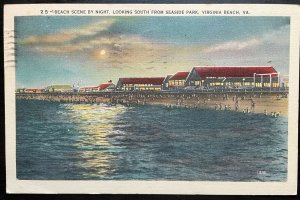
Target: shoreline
{"x":274,"y":104}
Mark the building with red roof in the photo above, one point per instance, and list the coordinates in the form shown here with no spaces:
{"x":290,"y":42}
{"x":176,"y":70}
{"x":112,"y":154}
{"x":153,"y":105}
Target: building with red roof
{"x":233,"y":76}
{"x":140,"y":83}
{"x":104,"y":87}
{"x":177,"y":81}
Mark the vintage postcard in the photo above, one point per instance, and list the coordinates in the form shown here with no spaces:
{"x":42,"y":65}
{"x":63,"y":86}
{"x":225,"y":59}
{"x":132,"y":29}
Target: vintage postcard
{"x":151,"y":99}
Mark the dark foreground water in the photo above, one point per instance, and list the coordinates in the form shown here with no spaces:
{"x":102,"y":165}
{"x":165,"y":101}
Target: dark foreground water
{"x":81,"y":141}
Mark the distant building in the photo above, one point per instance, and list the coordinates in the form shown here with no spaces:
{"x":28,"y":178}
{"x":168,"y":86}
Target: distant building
{"x":59,"y":88}
{"x":20,"y":90}
{"x":104,"y":87}
{"x":177,"y":81}
{"x":284,"y":81}
{"x":143,"y":83}
{"x":89,"y":89}
{"x":233,"y":77}
{"x":107,"y":87}
{"x":34,"y":90}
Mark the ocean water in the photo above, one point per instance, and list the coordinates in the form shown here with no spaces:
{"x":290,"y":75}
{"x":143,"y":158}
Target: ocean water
{"x":99,"y":142}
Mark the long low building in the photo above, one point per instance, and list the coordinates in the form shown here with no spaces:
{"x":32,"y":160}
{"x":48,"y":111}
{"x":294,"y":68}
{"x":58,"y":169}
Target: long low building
{"x":235,"y":77}
{"x":59,"y":88}
{"x":34,"y":90}
{"x":104,"y":87}
{"x":140,"y":83}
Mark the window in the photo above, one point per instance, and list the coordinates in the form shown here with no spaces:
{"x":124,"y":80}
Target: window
{"x":197,"y":83}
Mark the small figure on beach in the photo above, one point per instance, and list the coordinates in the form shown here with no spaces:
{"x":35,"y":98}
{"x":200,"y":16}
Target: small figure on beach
{"x":236,"y":104}
{"x":216,"y":106}
{"x":236,"y":107}
{"x":252,"y":104}
{"x":247,"y":110}
{"x":275,"y":114}
{"x":277,"y":97}
{"x":229,"y":107}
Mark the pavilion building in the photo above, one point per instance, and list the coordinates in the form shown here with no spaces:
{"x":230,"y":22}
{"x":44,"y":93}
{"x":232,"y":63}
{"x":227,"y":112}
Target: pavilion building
{"x":140,"y":83}
{"x":233,"y":77}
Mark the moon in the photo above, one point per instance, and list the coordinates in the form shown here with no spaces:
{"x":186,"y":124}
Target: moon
{"x":102,"y":52}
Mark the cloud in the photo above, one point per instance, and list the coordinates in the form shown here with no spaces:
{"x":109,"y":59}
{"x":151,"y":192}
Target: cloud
{"x":272,"y":46}
{"x":108,"y":49}
{"x":69,"y":34}
{"x":232,"y":46}
{"x":121,"y":50}
{"x":275,"y":37}
{"x":278,"y":37}
{"x":48,"y":39}
{"x":100,"y":47}
{"x":91,"y":29}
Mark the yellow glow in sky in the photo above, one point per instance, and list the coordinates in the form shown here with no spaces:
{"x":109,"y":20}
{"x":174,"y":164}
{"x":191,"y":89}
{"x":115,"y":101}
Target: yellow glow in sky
{"x":102,"y":52}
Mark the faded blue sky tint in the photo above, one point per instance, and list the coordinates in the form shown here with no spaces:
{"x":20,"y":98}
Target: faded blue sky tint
{"x":92,"y":50}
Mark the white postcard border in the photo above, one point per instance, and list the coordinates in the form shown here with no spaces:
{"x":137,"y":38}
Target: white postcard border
{"x":150,"y":187}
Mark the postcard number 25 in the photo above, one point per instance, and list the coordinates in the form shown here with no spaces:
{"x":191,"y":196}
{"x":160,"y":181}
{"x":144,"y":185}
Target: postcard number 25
{"x":44,"y":11}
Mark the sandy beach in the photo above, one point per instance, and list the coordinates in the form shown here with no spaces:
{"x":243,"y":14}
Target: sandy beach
{"x":266,"y":105}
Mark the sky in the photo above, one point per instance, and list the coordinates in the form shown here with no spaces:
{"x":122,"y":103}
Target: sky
{"x":92,"y":50}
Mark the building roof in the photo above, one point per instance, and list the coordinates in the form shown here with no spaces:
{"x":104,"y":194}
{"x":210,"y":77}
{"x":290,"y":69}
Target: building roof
{"x":65,"y":87}
{"x":33,"y":89}
{"x":104,"y":86}
{"x":236,"y":71}
{"x":143,"y":80}
{"x":179,"y":76}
